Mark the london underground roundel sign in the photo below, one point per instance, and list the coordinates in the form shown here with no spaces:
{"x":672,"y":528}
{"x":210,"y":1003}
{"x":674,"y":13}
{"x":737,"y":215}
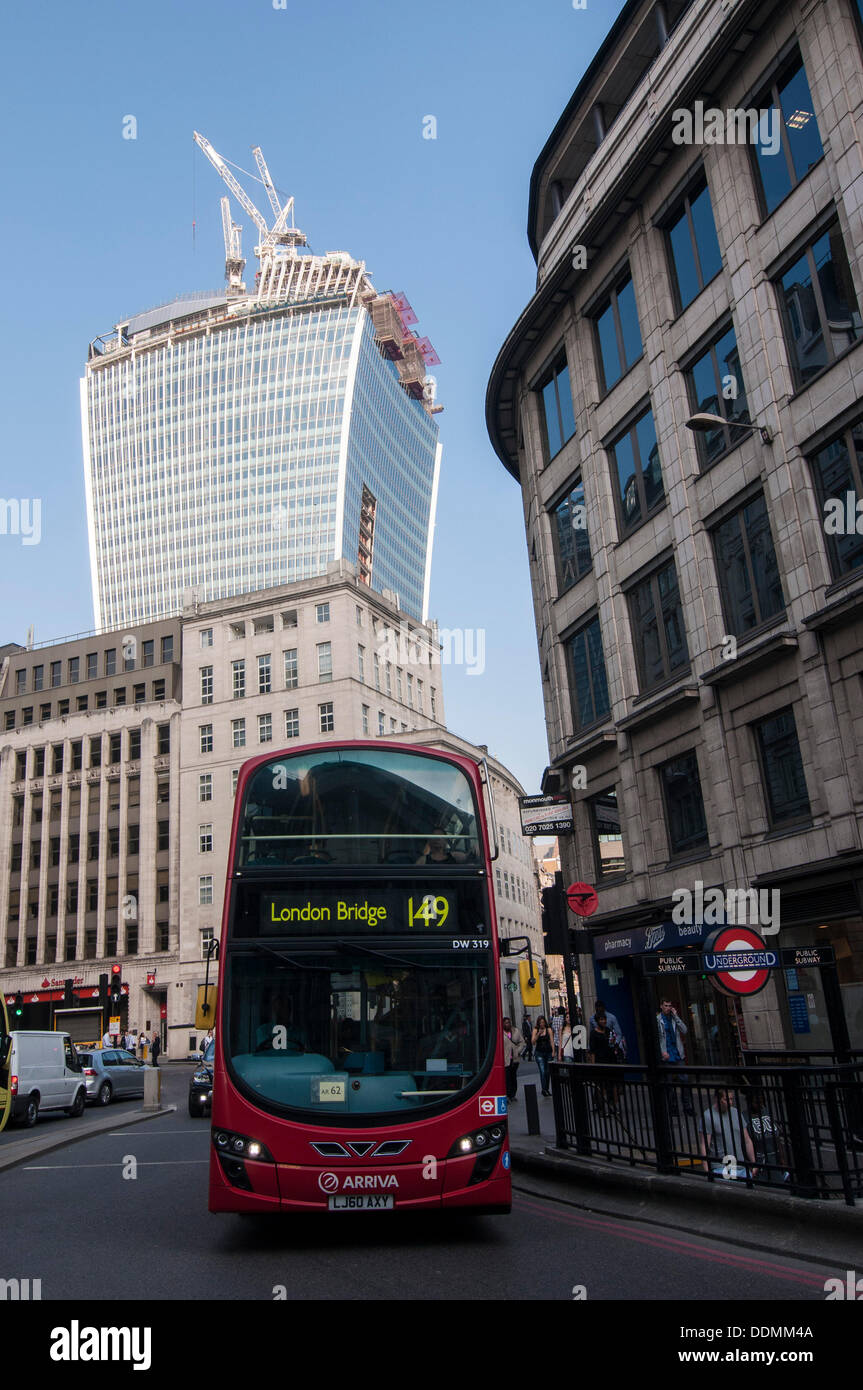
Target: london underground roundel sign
{"x":738,"y":960}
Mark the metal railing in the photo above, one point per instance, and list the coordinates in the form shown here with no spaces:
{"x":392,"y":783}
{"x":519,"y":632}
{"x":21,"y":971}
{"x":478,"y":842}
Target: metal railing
{"x":794,"y":1129}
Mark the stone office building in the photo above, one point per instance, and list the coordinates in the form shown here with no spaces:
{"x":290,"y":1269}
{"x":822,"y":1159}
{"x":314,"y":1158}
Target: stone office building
{"x":696,"y":221}
{"x":89,"y":819}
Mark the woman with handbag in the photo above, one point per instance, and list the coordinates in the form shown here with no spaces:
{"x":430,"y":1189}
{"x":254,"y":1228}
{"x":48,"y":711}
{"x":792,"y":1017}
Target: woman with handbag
{"x":542,"y":1048}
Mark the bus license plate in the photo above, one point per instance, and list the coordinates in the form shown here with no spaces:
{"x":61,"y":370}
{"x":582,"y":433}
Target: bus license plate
{"x":369,"y":1201}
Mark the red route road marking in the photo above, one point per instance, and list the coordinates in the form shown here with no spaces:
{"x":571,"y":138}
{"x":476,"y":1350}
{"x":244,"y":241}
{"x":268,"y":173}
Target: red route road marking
{"x":673,"y":1243}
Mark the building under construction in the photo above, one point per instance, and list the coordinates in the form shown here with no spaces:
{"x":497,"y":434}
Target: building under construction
{"x":239,"y":439}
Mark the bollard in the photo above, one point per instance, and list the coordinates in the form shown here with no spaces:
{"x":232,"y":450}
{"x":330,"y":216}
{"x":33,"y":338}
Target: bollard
{"x":152,"y":1089}
{"x":531,"y":1110}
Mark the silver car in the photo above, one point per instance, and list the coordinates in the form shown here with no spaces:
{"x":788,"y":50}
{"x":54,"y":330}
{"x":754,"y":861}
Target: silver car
{"x":111,"y":1072}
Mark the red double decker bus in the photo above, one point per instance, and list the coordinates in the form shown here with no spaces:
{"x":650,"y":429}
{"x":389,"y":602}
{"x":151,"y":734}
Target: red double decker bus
{"x":358,"y":1061}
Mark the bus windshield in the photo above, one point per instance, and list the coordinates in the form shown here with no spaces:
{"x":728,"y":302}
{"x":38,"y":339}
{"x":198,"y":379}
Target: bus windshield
{"x":358,"y":806}
{"x":338,"y":1028}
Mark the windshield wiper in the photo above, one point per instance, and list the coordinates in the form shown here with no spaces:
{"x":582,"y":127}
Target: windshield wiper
{"x":385,"y":955}
{"x":280,"y":955}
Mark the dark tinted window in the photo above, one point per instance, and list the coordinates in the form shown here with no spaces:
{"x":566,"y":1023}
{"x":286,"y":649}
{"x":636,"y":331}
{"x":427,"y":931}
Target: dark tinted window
{"x":792,"y":121}
{"x":695,"y":255}
{"x":838,"y":471}
{"x":358,"y":806}
{"x":822,"y":317}
{"x":571,"y":545}
{"x":684,"y":807}
{"x":557,"y":409}
{"x":715,"y":382}
{"x":589,"y":686}
{"x":618,"y":333}
{"x":782,"y":768}
{"x":747,"y":568}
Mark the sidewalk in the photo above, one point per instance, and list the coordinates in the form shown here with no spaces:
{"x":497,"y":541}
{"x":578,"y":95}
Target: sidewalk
{"x":829,"y":1232}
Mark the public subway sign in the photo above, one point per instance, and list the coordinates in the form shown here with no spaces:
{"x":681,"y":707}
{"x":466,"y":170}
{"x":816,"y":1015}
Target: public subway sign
{"x":687,"y":964}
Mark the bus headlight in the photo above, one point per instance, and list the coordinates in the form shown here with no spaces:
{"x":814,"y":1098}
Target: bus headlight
{"x":488,"y":1139}
{"x":241,"y":1146}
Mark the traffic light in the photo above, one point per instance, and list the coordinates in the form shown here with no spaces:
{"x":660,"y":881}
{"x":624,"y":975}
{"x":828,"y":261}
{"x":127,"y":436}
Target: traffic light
{"x":19,"y":1004}
{"x":116,"y":985}
{"x":555,"y":923}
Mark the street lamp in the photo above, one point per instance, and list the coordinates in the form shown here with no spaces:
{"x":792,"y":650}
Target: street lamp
{"x":704,"y":422}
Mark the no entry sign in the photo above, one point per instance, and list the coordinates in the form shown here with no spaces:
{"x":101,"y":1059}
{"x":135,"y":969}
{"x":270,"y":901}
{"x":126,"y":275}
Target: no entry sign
{"x":582,"y":899}
{"x":738,"y":960}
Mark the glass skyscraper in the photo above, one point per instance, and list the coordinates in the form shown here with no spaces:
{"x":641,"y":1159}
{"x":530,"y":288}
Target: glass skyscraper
{"x":236,"y":443}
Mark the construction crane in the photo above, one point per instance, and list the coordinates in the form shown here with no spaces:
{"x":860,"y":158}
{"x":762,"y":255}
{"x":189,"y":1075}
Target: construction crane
{"x":280,"y":234}
{"x":234,"y":262}
{"x":238,"y":191}
{"x":267,"y":181}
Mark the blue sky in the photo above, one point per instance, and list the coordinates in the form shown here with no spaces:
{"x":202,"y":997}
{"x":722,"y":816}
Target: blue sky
{"x":98,"y":227}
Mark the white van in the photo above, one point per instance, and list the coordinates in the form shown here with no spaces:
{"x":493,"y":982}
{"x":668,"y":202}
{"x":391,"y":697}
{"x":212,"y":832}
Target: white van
{"x":44,"y":1074}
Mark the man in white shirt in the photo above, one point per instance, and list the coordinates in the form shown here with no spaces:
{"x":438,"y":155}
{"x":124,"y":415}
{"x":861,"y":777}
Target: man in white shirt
{"x":107,"y":1040}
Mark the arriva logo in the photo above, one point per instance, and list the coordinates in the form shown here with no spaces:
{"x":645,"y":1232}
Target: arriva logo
{"x":368,"y":1180}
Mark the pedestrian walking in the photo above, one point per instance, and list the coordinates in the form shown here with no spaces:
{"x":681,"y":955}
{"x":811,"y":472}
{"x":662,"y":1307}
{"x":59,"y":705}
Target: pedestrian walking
{"x":512,"y":1045}
{"x":600,"y":1051}
{"x":557,"y":1022}
{"x":725,"y":1144}
{"x":672,"y":1031}
{"x":527,"y":1034}
{"x":542,"y":1047}
{"x":156,"y":1049}
{"x":142,"y":1045}
{"x":129,"y":1042}
{"x":106,"y":1039}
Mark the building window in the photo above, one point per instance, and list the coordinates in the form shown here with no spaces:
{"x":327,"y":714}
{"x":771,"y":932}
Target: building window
{"x":606,"y":833}
{"x":206,"y":685}
{"x":289,"y":618}
{"x":167,"y":650}
{"x":57,"y":758}
{"x":139,"y":694}
{"x":684,"y":806}
{"x":74,"y":668}
{"x":557,"y":412}
{"x":748,"y":572}
{"x":62,"y":708}
{"x":81,"y":703}
{"x":205,"y":839}
{"x":376,"y":661}
{"x":44,"y":713}
{"x":205,"y":889}
{"x":325,"y":661}
{"x":96,"y":751}
{"x":56,"y":674}
{"x":205,"y":786}
{"x":359,"y":616}
{"x":638,"y":473}
{"x":388,"y":677}
{"x":265,"y":728}
{"x":365,"y":709}
{"x":207,"y":937}
{"x":261,"y":626}
{"x":119,"y":695}
{"x":38,"y":762}
{"x":819,"y":306}
{"x":115,"y":748}
{"x":206,"y":637}
{"x":163,"y":738}
{"x":433,"y":709}
{"x":163,"y":788}
{"x":618,"y":336}
{"x":92,"y":845}
{"x":27,"y":714}
{"x":382,"y":723}
{"x":571,"y":545}
{"x":134,"y":744}
{"x":74,"y":848}
{"x":92,"y":666}
{"x":838,"y":473}
{"x":657,"y":627}
{"x":148,"y":655}
{"x":292,"y":723}
{"x":292,"y":676}
{"x":782,"y":769}
{"x":265,"y":675}
{"x":322,"y":612}
{"x":361,"y":662}
{"x":133,"y":842}
{"x":792,"y":120}
{"x":238,"y":733}
{"x":77,"y":755}
{"x":588,"y":684}
{"x":110,"y":661}
{"x":715,"y":385}
{"x":206,"y":733}
{"x":235,"y":777}
{"x":20,"y":682}
{"x":238,"y":679}
{"x":158,"y":690}
{"x":327,"y":721}
{"x":692,"y":244}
